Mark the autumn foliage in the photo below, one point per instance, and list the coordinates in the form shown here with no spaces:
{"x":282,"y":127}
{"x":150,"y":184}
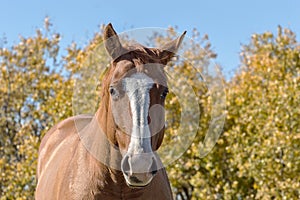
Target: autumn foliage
{"x":257,"y":155}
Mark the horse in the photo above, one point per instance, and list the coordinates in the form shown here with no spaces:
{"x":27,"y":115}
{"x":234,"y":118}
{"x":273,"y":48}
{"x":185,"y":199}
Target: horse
{"x":112,"y":154}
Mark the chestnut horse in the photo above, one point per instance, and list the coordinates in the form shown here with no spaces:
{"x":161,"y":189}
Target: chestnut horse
{"x":111,"y":155}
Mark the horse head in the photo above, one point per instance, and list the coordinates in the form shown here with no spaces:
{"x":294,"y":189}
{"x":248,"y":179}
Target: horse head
{"x":136,"y":86}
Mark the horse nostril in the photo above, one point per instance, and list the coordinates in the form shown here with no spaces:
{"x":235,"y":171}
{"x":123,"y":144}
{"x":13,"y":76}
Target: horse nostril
{"x":154,"y":172}
{"x":125,"y":165}
{"x":149,"y":119}
{"x":153,"y":168}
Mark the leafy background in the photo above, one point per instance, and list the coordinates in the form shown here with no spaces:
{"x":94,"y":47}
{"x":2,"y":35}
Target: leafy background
{"x":256,"y":157}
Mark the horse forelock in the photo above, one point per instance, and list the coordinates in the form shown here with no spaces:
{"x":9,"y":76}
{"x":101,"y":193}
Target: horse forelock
{"x":139,"y":56}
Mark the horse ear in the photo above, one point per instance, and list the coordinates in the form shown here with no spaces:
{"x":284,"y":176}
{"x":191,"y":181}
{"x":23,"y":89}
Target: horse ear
{"x":111,"y":41}
{"x":170,"y":49}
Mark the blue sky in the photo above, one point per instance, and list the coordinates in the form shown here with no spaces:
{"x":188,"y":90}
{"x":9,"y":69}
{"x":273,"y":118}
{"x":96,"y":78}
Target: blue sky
{"x":228,"y":23}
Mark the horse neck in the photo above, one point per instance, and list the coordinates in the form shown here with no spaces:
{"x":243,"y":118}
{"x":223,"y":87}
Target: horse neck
{"x":110,"y":155}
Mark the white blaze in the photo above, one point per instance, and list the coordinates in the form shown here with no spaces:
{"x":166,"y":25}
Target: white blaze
{"x":137,"y":87}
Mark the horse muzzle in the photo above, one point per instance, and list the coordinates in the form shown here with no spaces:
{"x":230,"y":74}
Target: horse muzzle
{"x":139,"y":169}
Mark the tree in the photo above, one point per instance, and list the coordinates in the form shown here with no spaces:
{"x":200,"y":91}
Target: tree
{"x":263,"y":122}
{"x":33,"y":96}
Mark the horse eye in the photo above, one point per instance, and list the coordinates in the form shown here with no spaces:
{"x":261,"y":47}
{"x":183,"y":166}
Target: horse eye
{"x":112,"y":91}
{"x":164,"y":94}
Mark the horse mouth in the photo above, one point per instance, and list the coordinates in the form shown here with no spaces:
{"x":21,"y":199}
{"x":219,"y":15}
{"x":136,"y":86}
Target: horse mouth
{"x":134,"y":182}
